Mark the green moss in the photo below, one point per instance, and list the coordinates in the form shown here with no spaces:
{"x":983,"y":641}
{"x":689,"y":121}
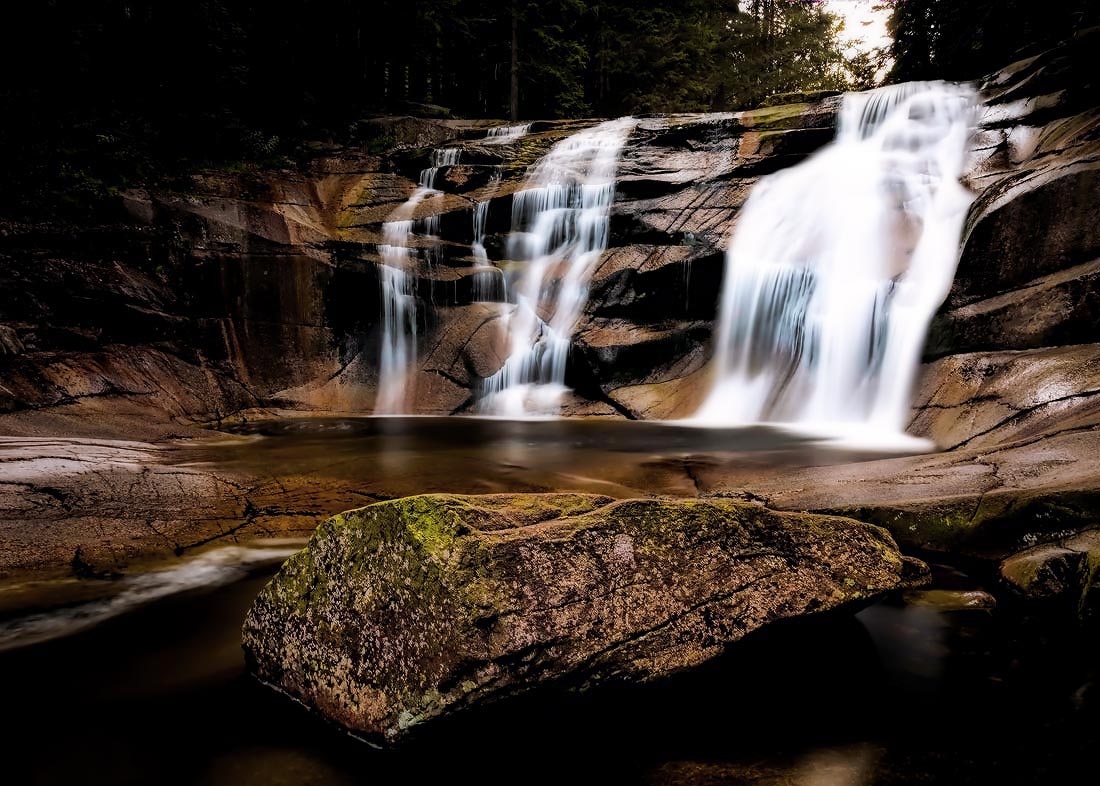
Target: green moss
{"x":297,"y":582}
{"x":382,"y":144}
{"x":431,"y":522}
{"x":937,"y":527}
{"x":783,"y":117}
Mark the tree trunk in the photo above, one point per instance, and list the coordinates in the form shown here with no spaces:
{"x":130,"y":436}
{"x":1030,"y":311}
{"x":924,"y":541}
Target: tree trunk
{"x":515,"y":65}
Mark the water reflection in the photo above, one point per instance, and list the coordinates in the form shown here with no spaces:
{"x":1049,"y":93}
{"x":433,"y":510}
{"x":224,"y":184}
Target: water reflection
{"x":412,"y":455}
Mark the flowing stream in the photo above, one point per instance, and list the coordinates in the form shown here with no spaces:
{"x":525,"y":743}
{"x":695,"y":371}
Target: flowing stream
{"x":559,"y":231}
{"x":838,"y":265}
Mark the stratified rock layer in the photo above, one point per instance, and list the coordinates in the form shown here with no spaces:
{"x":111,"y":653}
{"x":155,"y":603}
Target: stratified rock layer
{"x":405,"y":611}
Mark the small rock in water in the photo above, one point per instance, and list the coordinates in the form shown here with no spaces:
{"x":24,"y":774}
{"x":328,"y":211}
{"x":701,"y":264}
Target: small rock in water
{"x":950,"y":600}
{"x":1067,"y":571}
{"x":1044,"y":572}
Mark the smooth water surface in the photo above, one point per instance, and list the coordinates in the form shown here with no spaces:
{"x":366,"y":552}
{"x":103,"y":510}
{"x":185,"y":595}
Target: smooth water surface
{"x":904,"y":693}
{"x":400,"y":456}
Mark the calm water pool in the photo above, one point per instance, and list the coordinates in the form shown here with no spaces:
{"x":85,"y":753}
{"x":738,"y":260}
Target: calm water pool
{"x":398,"y":456}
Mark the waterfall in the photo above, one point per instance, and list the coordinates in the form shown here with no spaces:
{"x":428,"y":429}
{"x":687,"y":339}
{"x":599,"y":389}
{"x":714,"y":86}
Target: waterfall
{"x":398,"y":351}
{"x":559,"y":231}
{"x":502,"y":135}
{"x":837,"y":266}
{"x":441,"y":157}
{"x":489,"y":286}
{"x":397,"y":355}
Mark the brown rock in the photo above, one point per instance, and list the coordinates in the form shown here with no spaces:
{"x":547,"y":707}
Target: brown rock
{"x":9,"y":341}
{"x":407,"y":611}
{"x":1067,"y":571}
{"x":1055,"y":310}
{"x":984,"y":399}
{"x":1045,"y":572}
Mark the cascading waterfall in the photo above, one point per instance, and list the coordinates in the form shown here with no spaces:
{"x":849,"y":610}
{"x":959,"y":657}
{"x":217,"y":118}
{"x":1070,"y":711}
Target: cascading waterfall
{"x":502,"y":135}
{"x":559,"y":229}
{"x":399,"y":317}
{"x":489,"y":283}
{"x":441,"y":157}
{"x":397,"y":356}
{"x":837,"y":266}
{"x":398,"y":351}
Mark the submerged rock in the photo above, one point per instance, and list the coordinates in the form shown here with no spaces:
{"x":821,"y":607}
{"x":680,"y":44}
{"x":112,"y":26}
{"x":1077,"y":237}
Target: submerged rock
{"x":407,"y":611}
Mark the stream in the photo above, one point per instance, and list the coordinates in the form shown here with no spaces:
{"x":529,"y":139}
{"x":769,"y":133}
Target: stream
{"x":146,"y":683}
{"x":386,"y":457}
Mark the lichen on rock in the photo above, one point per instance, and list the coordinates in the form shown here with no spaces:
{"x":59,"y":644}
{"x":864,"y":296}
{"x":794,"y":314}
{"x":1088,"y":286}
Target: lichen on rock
{"x":406,"y":611}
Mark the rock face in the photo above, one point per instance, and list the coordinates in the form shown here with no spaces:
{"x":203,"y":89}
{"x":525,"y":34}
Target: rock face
{"x":406,"y":611}
{"x":1026,"y":287}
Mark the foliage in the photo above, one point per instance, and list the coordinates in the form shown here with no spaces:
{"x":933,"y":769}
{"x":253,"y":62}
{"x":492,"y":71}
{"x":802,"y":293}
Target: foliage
{"x":122,"y":90}
{"x":947,"y":39}
{"x":119,"y":91}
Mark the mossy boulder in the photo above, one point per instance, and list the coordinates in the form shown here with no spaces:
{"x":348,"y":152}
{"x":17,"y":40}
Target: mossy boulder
{"x":989,"y":526}
{"x":1066,"y":572}
{"x":405,"y":611}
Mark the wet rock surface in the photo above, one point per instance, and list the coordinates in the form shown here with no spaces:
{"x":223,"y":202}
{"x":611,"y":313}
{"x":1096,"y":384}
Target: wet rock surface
{"x":1065,"y":572}
{"x":101,"y":508}
{"x":262,"y":288}
{"x":405,"y":612}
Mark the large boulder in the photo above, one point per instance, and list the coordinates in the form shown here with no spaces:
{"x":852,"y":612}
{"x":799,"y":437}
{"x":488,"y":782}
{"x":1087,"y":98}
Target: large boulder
{"x":406,"y":611}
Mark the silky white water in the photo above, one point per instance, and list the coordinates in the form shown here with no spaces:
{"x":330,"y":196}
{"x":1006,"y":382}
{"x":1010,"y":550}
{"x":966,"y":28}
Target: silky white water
{"x":503,"y":135}
{"x":837,"y":266}
{"x":559,"y":230}
{"x":397,"y":354}
{"x":489,"y":283}
{"x":441,"y":157}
